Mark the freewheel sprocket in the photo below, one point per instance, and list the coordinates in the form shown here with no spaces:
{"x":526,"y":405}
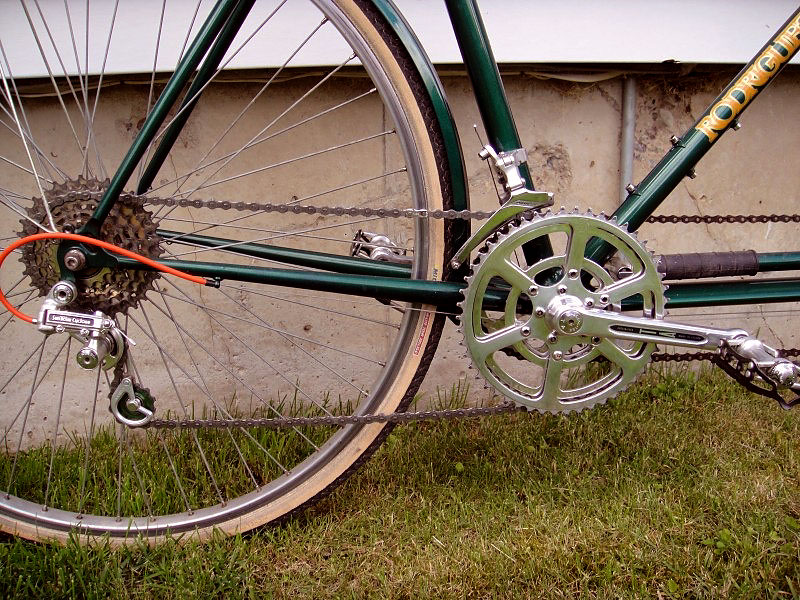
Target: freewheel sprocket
{"x":508,"y":304}
{"x":129,"y":225}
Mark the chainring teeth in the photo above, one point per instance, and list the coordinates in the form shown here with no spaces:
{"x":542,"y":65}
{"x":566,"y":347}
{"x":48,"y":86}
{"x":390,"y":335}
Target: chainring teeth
{"x":129,"y":225}
{"x":570,"y":396}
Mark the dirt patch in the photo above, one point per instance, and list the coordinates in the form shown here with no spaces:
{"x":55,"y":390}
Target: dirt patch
{"x":551,"y":167}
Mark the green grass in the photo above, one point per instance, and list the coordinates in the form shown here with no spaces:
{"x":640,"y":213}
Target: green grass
{"x":680,"y":488}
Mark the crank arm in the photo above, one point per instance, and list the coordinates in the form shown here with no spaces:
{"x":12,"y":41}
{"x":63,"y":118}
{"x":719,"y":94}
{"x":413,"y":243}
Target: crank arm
{"x":599,"y":323}
{"x":569,"y":317}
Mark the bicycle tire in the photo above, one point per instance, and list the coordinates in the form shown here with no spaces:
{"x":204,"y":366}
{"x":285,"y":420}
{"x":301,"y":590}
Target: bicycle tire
{"x":89,"y":475}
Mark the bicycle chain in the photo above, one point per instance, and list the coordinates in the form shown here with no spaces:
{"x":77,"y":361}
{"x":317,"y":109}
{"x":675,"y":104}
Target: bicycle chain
{"x":712,"y":219}
{"x":436,"y":415}
{"x":451,"y":214}
{"x":341,"y":420}
{"x":402,"y":418}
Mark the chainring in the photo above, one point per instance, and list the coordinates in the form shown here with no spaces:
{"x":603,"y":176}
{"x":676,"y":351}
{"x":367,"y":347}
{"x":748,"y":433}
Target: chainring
{"x":503,"y":324}
{"x":129,"y":225}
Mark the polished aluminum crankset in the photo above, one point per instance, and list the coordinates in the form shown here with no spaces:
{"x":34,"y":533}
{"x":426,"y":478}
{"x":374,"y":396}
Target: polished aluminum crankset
{"x":552,"y":335}
{"x":532,"y":348}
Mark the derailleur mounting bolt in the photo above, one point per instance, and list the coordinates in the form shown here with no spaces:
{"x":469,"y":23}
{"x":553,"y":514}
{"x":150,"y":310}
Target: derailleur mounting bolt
{"x":64,"y":292}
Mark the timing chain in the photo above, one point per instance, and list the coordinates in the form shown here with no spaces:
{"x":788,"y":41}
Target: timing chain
{"x":435,"y":415}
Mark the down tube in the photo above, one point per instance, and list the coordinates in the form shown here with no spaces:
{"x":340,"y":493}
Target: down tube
{"x":719,"y":117}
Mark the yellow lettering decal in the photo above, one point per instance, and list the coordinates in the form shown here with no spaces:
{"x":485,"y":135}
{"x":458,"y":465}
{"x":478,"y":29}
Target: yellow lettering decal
{"x":750,"y":83}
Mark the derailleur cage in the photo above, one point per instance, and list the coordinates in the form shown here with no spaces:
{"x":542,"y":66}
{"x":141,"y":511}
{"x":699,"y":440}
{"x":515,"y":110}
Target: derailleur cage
{"x":131,"y":405}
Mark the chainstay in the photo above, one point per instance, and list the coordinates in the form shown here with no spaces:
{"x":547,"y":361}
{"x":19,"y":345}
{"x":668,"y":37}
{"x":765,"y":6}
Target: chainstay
{"x":338,"y":421}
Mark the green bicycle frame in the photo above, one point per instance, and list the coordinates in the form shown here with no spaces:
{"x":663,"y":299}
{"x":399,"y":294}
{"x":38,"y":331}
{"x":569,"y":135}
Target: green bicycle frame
{"x":363,"y":277}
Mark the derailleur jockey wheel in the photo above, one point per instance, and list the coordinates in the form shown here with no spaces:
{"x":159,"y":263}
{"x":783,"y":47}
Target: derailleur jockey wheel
{"x":509,"y":309}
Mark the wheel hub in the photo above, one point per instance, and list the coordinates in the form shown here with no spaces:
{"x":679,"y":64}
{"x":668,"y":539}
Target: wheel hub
{"x":128,"y":225}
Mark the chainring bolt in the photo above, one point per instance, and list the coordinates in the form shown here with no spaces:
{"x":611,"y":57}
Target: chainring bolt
{"x":552,"y":338}
{"x":558,"y":355}
{"x":596,"y":340}
{"x":562,"y":289}
{"x":533,"y":290}
{"x":539,"y":312}
{"x":589,"y":303}
{"x":573,"y":273}
{"x":525,"y":331}
{"x":604,"y":299}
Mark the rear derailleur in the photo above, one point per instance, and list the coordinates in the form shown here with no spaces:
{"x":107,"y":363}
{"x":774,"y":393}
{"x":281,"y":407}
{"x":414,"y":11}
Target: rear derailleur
{"x":104,"y":345}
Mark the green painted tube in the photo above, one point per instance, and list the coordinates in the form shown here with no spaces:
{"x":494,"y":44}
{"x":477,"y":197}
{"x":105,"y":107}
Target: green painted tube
{"x":204,"y":75}
{"x":485,"y":76}
{"x":205,"y":38}
{"x":779,"y":261}
{"x":726,"y":293}
{"x":291,"y":256}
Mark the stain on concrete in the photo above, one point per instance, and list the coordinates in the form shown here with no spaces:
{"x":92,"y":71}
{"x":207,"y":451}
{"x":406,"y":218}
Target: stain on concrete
{"x":551,"y":167}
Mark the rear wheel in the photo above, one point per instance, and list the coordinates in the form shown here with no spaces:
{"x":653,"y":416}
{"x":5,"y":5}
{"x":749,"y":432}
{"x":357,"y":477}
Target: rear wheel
{"x":359,"y":133}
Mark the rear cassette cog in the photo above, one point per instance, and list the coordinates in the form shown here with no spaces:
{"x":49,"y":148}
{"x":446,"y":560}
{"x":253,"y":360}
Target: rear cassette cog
{"x":129,"y":225}
{"x":510,"y":341}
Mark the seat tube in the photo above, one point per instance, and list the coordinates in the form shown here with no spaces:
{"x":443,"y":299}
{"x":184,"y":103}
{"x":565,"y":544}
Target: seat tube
{"x":490,"y":95}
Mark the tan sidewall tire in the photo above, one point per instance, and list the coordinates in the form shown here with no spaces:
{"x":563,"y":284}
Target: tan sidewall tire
{"x":417,"y":354}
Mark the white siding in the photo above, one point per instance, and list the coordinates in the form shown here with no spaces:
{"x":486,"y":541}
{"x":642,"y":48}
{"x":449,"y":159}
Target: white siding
{"x":522,"y":31}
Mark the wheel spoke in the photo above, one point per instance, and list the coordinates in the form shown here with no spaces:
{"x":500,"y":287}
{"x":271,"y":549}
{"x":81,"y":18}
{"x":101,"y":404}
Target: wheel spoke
{"x":88,"y":443}
{"x":261,"y":358}
{"x":245,"y":351}
{"x":275,"y":236}
{"x":57,"y":424}
{"x":219,"y":408}
{"x":288,"y":161}
{"x":50,"y":74}
{"x":285,"y":112}
{"x":183,"y":405}
{"x":27,"y":407}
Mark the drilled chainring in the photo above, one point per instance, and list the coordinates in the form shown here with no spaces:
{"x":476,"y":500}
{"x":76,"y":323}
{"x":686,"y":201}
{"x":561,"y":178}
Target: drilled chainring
{"x":129,"y":225}
{"x":514,"y":348}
